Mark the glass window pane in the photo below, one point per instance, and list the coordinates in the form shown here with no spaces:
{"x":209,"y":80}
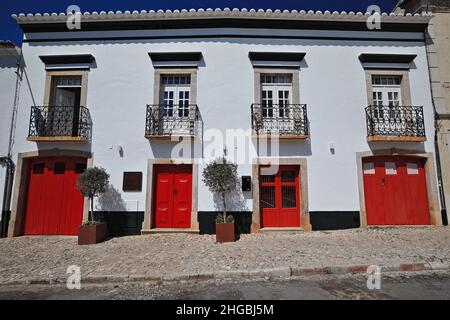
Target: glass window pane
{"x":60,"y":168}
{"x":413,"y":168}
{"x":38,"y":168}
{"x":369,"y":168}
{"x":80,"y":168}
{"x":267,"y":179}
{"x":288,"y":176}
{"x":391,"y":168}
{"x":288,"y":196}
{"x":267,"y":195}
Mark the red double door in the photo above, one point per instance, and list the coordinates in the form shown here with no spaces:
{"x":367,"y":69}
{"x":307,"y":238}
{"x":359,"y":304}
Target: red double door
{"x":54,"y":205}
{"x":395,"y":191}
{"x":280,"y":197}
{"x":173,"y":196}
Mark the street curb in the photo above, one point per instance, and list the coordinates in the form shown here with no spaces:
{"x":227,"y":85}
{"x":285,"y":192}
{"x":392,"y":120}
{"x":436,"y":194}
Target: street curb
{"x":285,"y":272}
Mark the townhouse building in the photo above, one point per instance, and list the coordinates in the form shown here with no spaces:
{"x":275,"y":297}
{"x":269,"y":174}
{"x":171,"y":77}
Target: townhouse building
{"x":9,"y":61}
{"x":438,"y":49}
{"x":331,"y":123}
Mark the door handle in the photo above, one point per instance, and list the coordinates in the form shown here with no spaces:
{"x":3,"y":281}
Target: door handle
{"x":383,"y":181}
{"x":175,"y":191}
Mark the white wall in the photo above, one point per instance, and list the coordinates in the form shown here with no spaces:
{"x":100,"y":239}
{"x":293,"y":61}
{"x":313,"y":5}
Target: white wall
{"x":332,"y":83}
{"x":8,"y":60}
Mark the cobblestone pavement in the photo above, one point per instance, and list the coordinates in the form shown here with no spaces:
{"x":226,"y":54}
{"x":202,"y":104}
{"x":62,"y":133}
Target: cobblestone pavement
{"x":177,"y":254}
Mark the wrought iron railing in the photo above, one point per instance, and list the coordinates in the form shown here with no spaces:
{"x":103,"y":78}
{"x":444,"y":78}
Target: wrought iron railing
{"x":280,"y":119}
{"x":171,"y":120}
{"x":395,"y":121}
{"x":60,"y":121}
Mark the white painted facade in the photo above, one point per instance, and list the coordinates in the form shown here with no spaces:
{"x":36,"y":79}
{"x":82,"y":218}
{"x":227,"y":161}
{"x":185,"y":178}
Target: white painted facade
{"x":332,"y":84}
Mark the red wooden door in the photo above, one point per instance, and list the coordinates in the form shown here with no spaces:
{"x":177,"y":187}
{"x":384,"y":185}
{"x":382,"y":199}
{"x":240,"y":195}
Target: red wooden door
{"x":173,"y":196}
{"x":395,"y":191}
{"x":280,"y":198}
{"x":54,"y":204}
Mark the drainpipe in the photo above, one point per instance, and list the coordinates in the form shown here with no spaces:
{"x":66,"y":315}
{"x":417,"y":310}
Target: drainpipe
{"x":439,"y":171}
{"x":7,"y":161}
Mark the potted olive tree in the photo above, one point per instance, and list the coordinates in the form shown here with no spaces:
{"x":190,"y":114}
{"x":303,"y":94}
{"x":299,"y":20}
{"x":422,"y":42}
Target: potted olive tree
{"x":92,"y":183}
{"x":220,"y":176}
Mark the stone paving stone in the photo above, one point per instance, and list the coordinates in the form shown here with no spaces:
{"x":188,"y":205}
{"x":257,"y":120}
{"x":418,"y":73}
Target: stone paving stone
{"x":172,"y":255}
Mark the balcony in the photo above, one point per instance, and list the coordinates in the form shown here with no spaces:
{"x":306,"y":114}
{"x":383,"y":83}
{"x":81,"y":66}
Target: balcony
{"x":166,"y":122}
{"x":59,"y":124}
{"x":280,"y":121}
{"x":395,"y":124}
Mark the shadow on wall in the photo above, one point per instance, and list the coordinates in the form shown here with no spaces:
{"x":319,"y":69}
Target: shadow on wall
{"x":285,"y":149}
{"x":236,"y":201}
{"x":112,"y":209}
{"x":176,"y":149}
{"x":111,"y":200}
{"x":415,"y":147}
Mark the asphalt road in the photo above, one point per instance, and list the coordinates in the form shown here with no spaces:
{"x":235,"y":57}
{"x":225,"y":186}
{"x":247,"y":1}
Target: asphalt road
{"x":423,"y":286}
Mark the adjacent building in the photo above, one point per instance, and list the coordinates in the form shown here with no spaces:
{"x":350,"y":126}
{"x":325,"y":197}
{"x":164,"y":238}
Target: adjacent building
{"x":9,"y":61}
{"x":330,"y":122}
{"x":438,"y":47}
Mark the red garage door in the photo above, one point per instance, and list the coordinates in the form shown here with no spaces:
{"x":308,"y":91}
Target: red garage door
{"x":395,"y":191}
{"x":280,"y":198}
{"x":173,"y":196}
{"x":54,"y":204}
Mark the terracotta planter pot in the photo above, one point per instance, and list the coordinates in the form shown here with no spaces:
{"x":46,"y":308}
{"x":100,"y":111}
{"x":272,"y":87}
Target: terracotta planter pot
{"x":225,"y":232}
{"x":92,"y":234}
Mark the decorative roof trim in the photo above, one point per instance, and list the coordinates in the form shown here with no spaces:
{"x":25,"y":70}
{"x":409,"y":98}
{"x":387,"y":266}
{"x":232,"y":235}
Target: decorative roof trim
{"x":200,"y":18}
{"x":68,"y":59}
{"x":7,"y":44}
{"x":8,"y":47}
{"x":386,"y":58}
{"x":183,"y":13}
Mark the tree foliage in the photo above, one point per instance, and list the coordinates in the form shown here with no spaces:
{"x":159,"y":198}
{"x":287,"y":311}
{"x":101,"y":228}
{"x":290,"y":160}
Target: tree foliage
{"x":92,"y":183}
{"x":220,"y":176}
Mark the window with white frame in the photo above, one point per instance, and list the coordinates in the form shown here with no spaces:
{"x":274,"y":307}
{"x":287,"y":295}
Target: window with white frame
{"x":386,"y":90}
{"x":175,"y":95}
{"x":276,"y":94}
{"x":65,"y":91}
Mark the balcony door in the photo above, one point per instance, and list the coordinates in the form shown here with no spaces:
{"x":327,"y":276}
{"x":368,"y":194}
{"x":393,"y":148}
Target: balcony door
{"x":176,"y":92}
{"x":386,"y":90}
{"x":64,"y":109}
{"x":276,"y":104}
{"x":175,"y":99}
{"x":388,"y":113}
{"x":276,"y":95}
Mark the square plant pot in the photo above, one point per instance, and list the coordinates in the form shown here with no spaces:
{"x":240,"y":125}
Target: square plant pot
{"x":225,"y":232}
{"x":92,"y":234}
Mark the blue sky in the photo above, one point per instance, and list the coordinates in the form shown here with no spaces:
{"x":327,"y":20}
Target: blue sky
{"x":10,"y":31}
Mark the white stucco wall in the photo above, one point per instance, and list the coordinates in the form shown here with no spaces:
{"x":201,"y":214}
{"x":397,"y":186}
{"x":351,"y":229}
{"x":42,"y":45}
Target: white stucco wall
{"x":8,"y":60}
{"x":332,"y":84}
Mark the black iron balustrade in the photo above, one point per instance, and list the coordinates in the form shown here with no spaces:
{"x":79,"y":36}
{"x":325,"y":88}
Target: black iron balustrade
{"x":172,"y":120}
{"x":290,"y":120}
{"x":60,"y":121}
{"x":395,"y":121}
